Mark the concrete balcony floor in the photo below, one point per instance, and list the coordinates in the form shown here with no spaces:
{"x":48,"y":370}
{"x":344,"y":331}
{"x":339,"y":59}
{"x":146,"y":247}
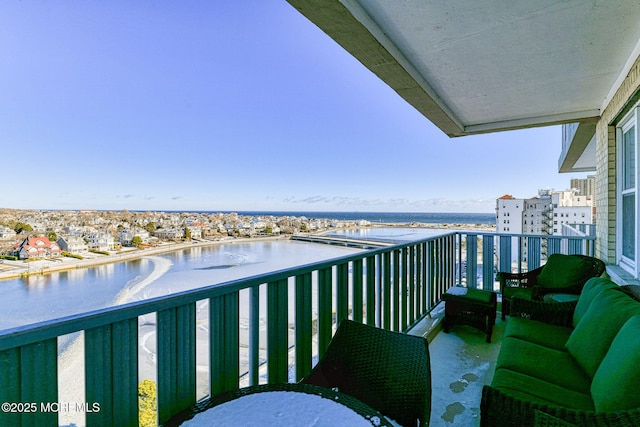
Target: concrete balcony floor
{"x":462,"y":362}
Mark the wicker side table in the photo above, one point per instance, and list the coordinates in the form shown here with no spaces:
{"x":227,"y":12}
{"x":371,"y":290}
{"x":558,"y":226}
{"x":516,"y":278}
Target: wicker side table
{"x":473,"y":307}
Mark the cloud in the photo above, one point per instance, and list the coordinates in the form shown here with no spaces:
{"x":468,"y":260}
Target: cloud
{"x":176,"y":198}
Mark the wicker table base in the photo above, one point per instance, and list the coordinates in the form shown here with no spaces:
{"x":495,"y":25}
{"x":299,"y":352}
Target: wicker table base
{"x":473,"y":307}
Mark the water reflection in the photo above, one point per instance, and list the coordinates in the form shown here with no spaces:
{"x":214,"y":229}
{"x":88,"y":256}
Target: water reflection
{"x":42,"y":297}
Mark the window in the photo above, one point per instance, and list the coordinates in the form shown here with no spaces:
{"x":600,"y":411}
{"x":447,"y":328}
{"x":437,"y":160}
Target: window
{"x":627,"y":236}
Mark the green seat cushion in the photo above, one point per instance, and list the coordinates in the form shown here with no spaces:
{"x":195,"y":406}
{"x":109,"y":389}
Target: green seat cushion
{"x":615,"y":384}
{"x":538,"y":391}
{"x":547,"y":364}
{"x":590,"y":340}
{"x":541,"y":333}
{"x":470,"y":294}
{"x":565,"y":271}
{"x":591,"y":289}
{"x":510,"y":292}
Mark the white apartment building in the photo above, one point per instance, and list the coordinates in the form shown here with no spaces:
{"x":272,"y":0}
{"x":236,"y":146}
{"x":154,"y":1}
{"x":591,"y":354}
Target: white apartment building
{"x":537,"y":217}
{"x":544,"y":214}
{"x":570,"y":208}
{"x":509,"y":214}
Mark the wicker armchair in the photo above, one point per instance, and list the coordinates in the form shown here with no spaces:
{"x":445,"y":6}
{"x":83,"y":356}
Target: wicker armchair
{"x":389,"y":371}
{"x":535,"y":284}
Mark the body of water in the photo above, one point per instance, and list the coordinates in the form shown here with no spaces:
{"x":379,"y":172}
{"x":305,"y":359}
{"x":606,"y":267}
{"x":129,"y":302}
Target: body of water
{"x":36,"y":298}
{"x":390,"y":217}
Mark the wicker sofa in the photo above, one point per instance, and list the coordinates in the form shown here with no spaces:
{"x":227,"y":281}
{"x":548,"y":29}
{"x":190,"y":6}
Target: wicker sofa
{"x":569,"y":364}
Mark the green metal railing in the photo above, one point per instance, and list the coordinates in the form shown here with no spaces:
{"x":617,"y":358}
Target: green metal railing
{"x":392,"y":287}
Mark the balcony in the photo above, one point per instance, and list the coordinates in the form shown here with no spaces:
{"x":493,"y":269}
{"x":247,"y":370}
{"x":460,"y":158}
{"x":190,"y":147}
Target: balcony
{"x":265,"y":329}
{"x":578,"y":147}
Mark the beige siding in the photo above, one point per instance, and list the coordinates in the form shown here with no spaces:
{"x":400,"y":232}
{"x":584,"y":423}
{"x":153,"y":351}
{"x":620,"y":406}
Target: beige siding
{"x":606,"y":174}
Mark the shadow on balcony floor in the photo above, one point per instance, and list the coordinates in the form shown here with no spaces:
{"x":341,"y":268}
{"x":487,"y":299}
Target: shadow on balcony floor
{"x":461,"y":364}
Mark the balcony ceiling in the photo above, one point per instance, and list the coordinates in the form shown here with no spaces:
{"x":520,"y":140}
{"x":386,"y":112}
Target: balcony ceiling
{"x":475,"y":67}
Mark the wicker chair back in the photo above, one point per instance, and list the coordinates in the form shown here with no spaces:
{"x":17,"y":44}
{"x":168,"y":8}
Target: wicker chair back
{"x":389,"y":371}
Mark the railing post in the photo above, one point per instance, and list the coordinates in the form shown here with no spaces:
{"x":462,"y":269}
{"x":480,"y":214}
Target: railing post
{"x":425,"y":286}
{"x":325,"y":313}
{"x":29,"y":374}
{"x":176,"y":355}
{"x":254,"y":335}
{"x":534,"y":251}
{"x":488,"y":276}
{"x":277,"y":331}
{"x":412,"y":284}
{"x":111,"y":373}
{"x":451,"y":260}
{"x":357,"y":301}
{"x":303,"y":326}
{"x":472,"y":261}
{"x":396,"y":289}
{"x":371,"y":290}
{"x":431,"y":275}
{"x":575,"y":246}
{"x":224,"y":342}
{"x":342,"y":292}
{"x":505,"y":261}
{"x":386,"y":291}
{"x":554,"y":245}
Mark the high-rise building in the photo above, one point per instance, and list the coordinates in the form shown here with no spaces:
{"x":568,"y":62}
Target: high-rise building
{"x":585,"y":186}
{"x":544,"y":214}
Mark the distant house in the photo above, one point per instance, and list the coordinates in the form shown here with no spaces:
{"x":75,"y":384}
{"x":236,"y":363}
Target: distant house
{"x":126,"y":236}
{"x":73,"y":244}
{"x":170,"y":233}
{"x":101,"y":242}
{"x":6,"y":233}
{"x":196,"y":231}
{"x":37,"y":247}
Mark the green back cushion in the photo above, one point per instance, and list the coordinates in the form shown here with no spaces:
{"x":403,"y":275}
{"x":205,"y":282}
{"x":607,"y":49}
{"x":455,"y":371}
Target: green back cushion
{"x":615,"y":384}
{"x":594,"y":333}
{"x":564,"y":271}
{"x":592,"y":288}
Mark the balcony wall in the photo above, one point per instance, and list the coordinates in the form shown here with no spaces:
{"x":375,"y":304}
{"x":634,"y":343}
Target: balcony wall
{"x":578,"y":147}
{"x":286,"y":319}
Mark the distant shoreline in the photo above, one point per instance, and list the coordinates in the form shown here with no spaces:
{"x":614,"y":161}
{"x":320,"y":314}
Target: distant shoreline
{"x":47,"y":266}
{"x":18,"y":269}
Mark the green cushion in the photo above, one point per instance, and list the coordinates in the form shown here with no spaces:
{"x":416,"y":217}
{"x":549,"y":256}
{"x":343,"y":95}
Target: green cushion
{"x":591,"y":289}
{"x":547,"y":364}
{"x":564,"y":271}
{"x":541,"y":333}
{"x":535,"y":390}
{"x":615,"y":384}
{"x":594,"y":333}
{"x":510,"y":292}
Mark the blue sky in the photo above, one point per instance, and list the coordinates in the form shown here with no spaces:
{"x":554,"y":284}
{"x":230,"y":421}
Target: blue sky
{"x":228,"y":105}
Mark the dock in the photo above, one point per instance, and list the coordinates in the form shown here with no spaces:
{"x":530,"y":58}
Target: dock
{"x":341,"y":241}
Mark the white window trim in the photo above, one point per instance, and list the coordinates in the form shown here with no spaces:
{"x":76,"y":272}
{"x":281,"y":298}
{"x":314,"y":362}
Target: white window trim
{"x":631,"y":119}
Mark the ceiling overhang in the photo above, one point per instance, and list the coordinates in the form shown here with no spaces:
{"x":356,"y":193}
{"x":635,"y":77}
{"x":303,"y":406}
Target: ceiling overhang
{"x":478,"y":67}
